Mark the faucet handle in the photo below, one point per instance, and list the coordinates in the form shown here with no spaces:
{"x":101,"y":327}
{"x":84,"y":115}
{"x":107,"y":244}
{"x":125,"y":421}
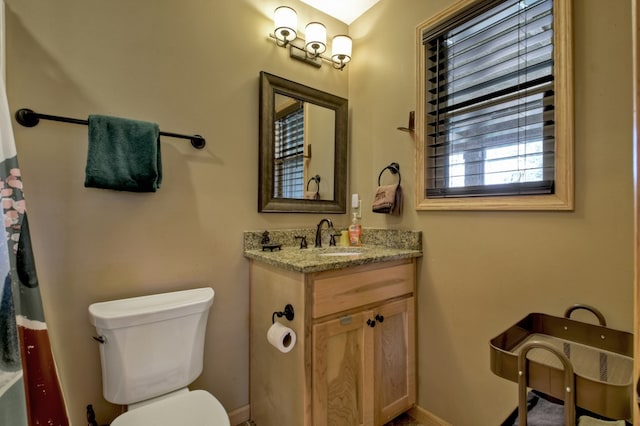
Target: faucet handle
{"x":303,"y":241}
{"x":332,"y":239}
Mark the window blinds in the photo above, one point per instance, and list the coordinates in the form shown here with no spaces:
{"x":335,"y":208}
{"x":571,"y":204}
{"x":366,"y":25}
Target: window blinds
{"x":289,"y":150}
{"x":490,"y":101}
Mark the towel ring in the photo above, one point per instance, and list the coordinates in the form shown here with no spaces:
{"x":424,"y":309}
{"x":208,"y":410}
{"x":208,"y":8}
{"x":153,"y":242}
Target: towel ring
{"x":315,"y":178}
{"x":394,"y":168}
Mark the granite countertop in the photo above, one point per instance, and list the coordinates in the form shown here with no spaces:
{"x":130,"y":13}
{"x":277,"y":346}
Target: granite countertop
{"x":379,"y":245}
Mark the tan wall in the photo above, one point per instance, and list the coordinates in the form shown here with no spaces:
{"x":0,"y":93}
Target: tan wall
{"x":191,"y":69}
{"x":483,"y":271}
{"x":191,"y":66}
{"x":320,"y":135}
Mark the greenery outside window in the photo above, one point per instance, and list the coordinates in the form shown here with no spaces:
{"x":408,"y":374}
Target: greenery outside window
{"x":495,"y":102}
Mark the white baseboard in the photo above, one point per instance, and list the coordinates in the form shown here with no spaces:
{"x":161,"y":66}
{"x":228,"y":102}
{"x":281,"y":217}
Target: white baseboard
{"x":427,"y":418}
{"x":240,"y":415}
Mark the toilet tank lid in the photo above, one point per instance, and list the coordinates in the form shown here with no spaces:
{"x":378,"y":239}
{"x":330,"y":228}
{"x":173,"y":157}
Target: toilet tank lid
{"x":144,"y":309}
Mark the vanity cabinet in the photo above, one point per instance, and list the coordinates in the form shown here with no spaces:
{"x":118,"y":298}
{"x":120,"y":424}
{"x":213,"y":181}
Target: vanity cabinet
{"x":354,"y":360}
{"x":363,"y":368}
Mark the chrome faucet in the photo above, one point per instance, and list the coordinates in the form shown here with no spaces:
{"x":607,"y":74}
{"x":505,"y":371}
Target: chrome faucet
{"x":332,"y":241}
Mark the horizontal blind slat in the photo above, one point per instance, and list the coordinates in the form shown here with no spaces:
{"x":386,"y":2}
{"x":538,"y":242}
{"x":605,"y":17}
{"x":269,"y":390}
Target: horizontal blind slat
{"x":521,"y":87}
{"x":534,"y":34}
{"x":479,"y":118}
{"x":543,"y":187}
{"x":490,"y":115}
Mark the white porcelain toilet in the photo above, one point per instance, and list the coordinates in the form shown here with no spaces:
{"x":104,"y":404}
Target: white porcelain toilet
{"x":151,"y":349}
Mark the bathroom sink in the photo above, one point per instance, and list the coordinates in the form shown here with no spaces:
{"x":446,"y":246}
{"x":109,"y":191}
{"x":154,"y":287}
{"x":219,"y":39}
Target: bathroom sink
{"x":340,"y":251}
{"x":380,"y":246}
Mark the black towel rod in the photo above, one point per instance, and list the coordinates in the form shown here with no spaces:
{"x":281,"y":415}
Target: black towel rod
{"x":394,"y":168}
{"x":30,"y":118}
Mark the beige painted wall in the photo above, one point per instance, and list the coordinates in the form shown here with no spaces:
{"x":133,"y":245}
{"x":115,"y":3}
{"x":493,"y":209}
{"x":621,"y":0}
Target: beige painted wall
{"x":319,"y":128}
{"x":483,"y":271}
{"x":191,"y":70}
{"x":193,"y":67}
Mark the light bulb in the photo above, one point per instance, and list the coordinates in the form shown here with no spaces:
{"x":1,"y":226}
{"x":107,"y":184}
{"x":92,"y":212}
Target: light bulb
{"x":315,"y":38}
{"x":341,"y":50}
{"x":285,"y":21}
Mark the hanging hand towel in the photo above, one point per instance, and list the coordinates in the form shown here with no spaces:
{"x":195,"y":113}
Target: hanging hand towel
{"x":388,"y":199}
{"x":311,"y":195}
{"x":123,"y":155}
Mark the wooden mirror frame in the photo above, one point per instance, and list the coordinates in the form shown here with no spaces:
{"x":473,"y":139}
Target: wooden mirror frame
{"x":270,"y":85}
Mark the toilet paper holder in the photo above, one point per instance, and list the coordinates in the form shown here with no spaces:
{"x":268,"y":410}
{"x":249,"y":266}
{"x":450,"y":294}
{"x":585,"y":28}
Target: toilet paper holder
{"x":287,"y":313}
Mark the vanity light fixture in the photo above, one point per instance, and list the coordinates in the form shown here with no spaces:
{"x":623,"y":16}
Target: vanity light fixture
{"x":310,"y":49}
{"x":285,"y":20}
{"x":316,"y":38}
{"x":341,"y":51}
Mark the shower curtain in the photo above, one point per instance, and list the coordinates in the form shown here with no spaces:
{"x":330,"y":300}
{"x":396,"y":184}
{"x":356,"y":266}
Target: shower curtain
{"x":30,"y":392}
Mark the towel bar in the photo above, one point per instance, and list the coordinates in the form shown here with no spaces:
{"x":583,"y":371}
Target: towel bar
{"x":30,"y":118}
{"x":394,"y":168}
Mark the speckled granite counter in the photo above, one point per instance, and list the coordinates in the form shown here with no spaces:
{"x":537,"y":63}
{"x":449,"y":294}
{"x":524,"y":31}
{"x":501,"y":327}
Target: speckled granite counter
{"x":379,"y":245}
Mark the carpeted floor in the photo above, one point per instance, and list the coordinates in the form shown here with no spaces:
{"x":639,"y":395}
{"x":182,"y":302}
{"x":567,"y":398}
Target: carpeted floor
{"x":402,"y":420}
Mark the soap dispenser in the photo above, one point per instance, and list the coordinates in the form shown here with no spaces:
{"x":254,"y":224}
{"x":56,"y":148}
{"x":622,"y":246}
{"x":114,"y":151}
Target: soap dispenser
{"x":355,"y":231}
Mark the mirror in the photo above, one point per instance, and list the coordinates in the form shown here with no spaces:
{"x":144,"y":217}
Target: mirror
{"x":303,"y":148}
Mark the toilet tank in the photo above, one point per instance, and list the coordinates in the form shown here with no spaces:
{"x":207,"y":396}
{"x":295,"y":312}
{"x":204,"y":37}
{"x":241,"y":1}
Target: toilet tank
{"x":152,"y":344}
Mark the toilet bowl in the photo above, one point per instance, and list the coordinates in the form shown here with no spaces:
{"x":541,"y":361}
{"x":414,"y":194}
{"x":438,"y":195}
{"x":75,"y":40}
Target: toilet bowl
{"x":189,"y":408}
{"x":151,"y":349}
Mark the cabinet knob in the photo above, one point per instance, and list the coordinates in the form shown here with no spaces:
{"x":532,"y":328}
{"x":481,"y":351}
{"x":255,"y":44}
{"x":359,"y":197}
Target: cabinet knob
{"x":379,"y":318}
{"x":371,"y":323}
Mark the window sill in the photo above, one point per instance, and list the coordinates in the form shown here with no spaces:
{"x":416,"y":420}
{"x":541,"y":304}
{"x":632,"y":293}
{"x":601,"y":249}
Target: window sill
{"x":529,"y":202}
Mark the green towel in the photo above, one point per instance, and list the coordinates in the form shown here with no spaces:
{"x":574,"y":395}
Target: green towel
{"x":123,"y":154}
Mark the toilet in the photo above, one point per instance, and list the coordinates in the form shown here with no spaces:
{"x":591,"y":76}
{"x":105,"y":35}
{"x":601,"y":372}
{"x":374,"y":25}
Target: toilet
{"x":151,"y":349}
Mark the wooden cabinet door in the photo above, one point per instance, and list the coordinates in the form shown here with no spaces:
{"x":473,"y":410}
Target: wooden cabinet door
{"x":342,"y":368}
{"x":394,"y":375}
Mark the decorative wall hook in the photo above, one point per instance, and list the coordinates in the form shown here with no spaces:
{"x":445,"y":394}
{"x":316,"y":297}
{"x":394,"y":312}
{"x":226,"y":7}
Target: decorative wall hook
{"x":412,"y":123}
{"x":287,"y":313}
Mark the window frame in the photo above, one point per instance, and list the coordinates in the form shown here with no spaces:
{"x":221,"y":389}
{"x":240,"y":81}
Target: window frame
{"x":282,"y":187}
{"x":563,"y":196}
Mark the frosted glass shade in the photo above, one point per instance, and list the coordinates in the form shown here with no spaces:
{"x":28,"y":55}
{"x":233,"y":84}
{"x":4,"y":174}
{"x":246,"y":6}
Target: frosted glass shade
{"x":341,"y":49}
{"x":315,"y":35}
{"x":285,"y":21}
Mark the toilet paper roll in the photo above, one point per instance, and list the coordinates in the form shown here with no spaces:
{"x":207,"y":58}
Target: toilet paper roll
{"x":281,"y":337}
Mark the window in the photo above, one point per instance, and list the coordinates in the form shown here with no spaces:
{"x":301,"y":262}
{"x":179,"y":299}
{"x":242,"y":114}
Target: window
{"x":495,"y":98}
{"x":289,"y":152}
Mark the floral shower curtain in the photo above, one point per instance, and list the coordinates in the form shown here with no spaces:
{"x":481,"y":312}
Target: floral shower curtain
{"x":30,"y":392}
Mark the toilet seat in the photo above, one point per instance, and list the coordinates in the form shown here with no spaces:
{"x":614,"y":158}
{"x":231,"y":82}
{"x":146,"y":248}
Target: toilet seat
{"x":197,"y":408}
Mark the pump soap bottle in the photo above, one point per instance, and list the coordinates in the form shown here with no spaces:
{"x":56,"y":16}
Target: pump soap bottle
{"x":355,"y":231}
